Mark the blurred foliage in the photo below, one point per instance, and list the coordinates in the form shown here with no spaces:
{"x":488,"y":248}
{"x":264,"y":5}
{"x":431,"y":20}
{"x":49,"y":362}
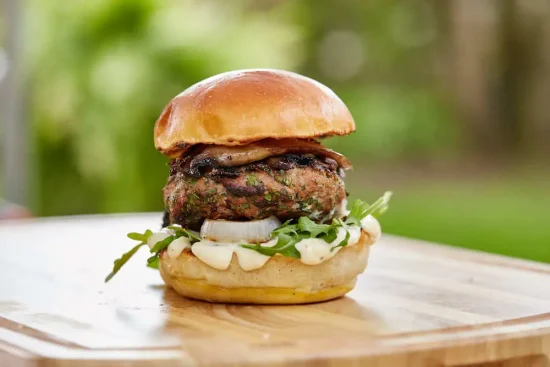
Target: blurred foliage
{"x":396,"y":122}
{"x":100,"y":72}
{"x":502,"y":212}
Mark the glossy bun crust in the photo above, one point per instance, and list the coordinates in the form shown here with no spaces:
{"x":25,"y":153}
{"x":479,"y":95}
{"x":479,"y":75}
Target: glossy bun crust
{"x":282,"y":280}
{"x":243,"y":106}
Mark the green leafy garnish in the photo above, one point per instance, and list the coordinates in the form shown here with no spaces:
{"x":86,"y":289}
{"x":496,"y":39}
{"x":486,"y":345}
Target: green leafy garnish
{"x":161,"y":245}
{"x":122,"y":260}
{"x":307,"y":225}
{"x":330,"y":236}
{"x":153,"y":261}
{"x":193,"y":236}
{"x":291,"y":232}
{"x":285,"y":228}
{"x":142,"y":237}
{"x":344,"y":242}
{"x":287,"y":234}
{"x":361,"y":210}
{"x":285,"y":246}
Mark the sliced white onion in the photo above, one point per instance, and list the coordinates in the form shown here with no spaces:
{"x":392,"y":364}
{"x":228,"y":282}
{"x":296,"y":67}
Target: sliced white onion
{"x":255,"y":231}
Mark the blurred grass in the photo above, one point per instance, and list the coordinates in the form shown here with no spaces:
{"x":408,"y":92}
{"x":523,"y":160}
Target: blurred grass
{"x":506,"y":214}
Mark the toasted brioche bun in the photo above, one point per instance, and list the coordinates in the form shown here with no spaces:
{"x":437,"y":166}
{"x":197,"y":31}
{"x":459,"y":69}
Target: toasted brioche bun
{"x":282,"y":280}
{"x":243,"y":106}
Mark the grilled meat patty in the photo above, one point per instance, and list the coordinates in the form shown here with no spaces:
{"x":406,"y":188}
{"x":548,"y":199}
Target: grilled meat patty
{"x":286,"y":186}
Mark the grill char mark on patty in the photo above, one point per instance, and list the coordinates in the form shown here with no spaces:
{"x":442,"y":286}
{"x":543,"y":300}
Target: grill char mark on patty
{"x":286,"y":186}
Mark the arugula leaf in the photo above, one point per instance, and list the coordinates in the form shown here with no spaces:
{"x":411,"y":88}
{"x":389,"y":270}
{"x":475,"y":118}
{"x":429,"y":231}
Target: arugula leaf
{"x":360,"y":209}
{"x":118,"y":263}
{"x":330,"y":236}
{"x":287,"y":234}
{"x":136,"y":236}
{"x":123,"y":260}
{"x":381,"y":205}
{"x":193,"y":236}
{"x":285,"y":228}
{"x":356,"y":213}
{"x":290,"y":232}
{"x":307,"y":225}
{"x":344,"y":242}
{"x":143,"y":237}
{"x":285,"y":246}
{"x":153,"y":261}
{"x":161,"y":245}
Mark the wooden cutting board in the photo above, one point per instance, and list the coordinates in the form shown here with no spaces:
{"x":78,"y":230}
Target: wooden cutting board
{"x":417,"y":304}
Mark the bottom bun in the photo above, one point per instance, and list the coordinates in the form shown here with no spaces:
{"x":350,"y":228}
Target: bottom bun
{"x":282,"y":280}
{"x":201,"y":290}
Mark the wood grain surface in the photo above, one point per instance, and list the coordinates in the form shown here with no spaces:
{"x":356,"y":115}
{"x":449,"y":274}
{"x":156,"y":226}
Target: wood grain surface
{"x":417,"y":304}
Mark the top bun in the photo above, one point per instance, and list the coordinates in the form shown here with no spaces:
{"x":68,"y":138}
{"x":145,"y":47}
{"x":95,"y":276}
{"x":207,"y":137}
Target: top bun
{"x":243,"y":106}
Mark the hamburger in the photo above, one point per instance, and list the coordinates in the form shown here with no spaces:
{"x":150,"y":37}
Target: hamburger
{"x":256,"y":208}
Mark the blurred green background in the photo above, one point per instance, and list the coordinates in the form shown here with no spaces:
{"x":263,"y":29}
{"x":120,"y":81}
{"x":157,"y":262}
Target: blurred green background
{"x":450,"y":100}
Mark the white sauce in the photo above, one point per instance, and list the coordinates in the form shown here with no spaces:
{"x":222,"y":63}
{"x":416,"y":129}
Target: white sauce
{"x":342,"y":208}
{"x":370,"y":225}
{"x":313,"y":251}
{"x":175,"y":249}
{"x":218,"y":255}
{"x":354,"y":235}
{"x":250,"y":259}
